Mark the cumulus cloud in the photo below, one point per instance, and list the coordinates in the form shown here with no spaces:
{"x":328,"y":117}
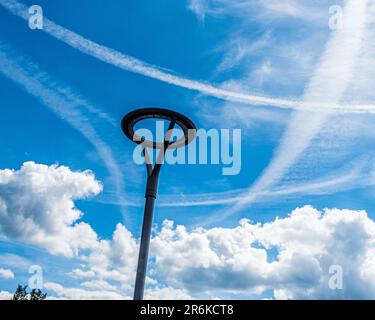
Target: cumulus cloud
{"x":6,"y":274}
{"x":291,"y":256}
{"x":79,"y":273}
{"x":98,"y":284}
{"x":110,"y":269}
{"x":61,"y":292}
{"x":115,"y":259}
{"x":107,"y":293}
{"x":5,"y":295}
{"x":167,"y":293}
{"x":37,"y":206}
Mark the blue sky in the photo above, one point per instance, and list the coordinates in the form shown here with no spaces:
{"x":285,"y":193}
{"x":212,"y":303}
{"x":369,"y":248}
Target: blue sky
{"x":299,"y":90}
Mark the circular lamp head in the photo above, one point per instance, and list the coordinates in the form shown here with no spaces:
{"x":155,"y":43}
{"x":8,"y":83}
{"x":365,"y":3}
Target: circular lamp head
{"x":133,"y":117}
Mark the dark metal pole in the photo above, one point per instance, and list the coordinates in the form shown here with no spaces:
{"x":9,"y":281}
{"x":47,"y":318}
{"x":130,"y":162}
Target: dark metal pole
{"x":151,"y":191}
{"x":128,"y":123}
{"x":144,"y":247}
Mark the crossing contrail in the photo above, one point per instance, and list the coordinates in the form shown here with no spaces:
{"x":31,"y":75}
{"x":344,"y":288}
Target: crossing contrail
{"x":63,"y":102}
{"x":328,"y":83}
{"x":135,"y":65}
{"x":322,"y":96}
{"x":347,"y":180}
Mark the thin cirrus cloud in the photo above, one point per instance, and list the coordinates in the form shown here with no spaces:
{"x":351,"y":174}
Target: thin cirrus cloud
{"x":281,"y":162}
{"x":272,"y":9}
{"x":6,"y":274}
{"x":327,"y":70}
{"x":348,"y":178}
{"x":132,"y":64}
{"x":128,"y":63}
{"x":65,"y":103}
{"x":328,"y":84}
{"x":236,"y":262}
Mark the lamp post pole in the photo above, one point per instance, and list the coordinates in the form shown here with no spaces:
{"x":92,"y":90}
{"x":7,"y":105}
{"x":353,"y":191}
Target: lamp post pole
{"x":127,"y":124}
{"x":151,"y":191}
{"x":144,"y":248}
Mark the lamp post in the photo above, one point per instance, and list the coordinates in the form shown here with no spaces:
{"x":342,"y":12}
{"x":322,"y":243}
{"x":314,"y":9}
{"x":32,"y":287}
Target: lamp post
{"x":127,"y":125}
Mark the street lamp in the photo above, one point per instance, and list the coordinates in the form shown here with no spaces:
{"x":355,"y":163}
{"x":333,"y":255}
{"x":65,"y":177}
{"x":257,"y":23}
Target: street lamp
{"x":127,"y":125}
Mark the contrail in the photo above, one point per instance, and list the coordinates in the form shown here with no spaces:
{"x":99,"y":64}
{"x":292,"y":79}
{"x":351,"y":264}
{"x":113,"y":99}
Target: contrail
{"x":328,"y":84}
{"x":313,"y":99}
{"x":328,"y":185}
{"x":64,"y":103}
{"x":132,"y":64}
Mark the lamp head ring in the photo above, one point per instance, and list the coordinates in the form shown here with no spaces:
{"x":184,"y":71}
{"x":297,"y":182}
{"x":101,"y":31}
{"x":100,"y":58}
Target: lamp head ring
{"x":132,"y":118}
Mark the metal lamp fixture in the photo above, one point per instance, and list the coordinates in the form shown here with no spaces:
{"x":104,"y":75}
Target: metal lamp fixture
{"x":127,"y":125}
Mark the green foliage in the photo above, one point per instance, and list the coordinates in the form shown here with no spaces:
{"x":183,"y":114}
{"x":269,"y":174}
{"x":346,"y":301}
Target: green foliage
{"x":22,"y":294}
{"x":37,"y":294}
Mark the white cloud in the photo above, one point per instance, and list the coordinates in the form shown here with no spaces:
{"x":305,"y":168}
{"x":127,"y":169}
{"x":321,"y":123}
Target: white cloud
{"x":328,"y":84}
{"x":305,"y":10}
{"x":79,"y":273}
{"x":102,"y":293}
{"x":132,"y":64}
{"x":239,"y":49}
{"x":5,"y":295}
{"x":291,"y":256}
{"x":167,"y":293}
{"x":260,"y":9}
{"x":82,"y":294}
{"x":115,"y":259}
{"x":199,"y":7}
{"x":6,"y":273}
{"x":14,"y":261}
{"x":37,"y":207}
{"x":64,"y":102}
{"x":98,"y":284}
